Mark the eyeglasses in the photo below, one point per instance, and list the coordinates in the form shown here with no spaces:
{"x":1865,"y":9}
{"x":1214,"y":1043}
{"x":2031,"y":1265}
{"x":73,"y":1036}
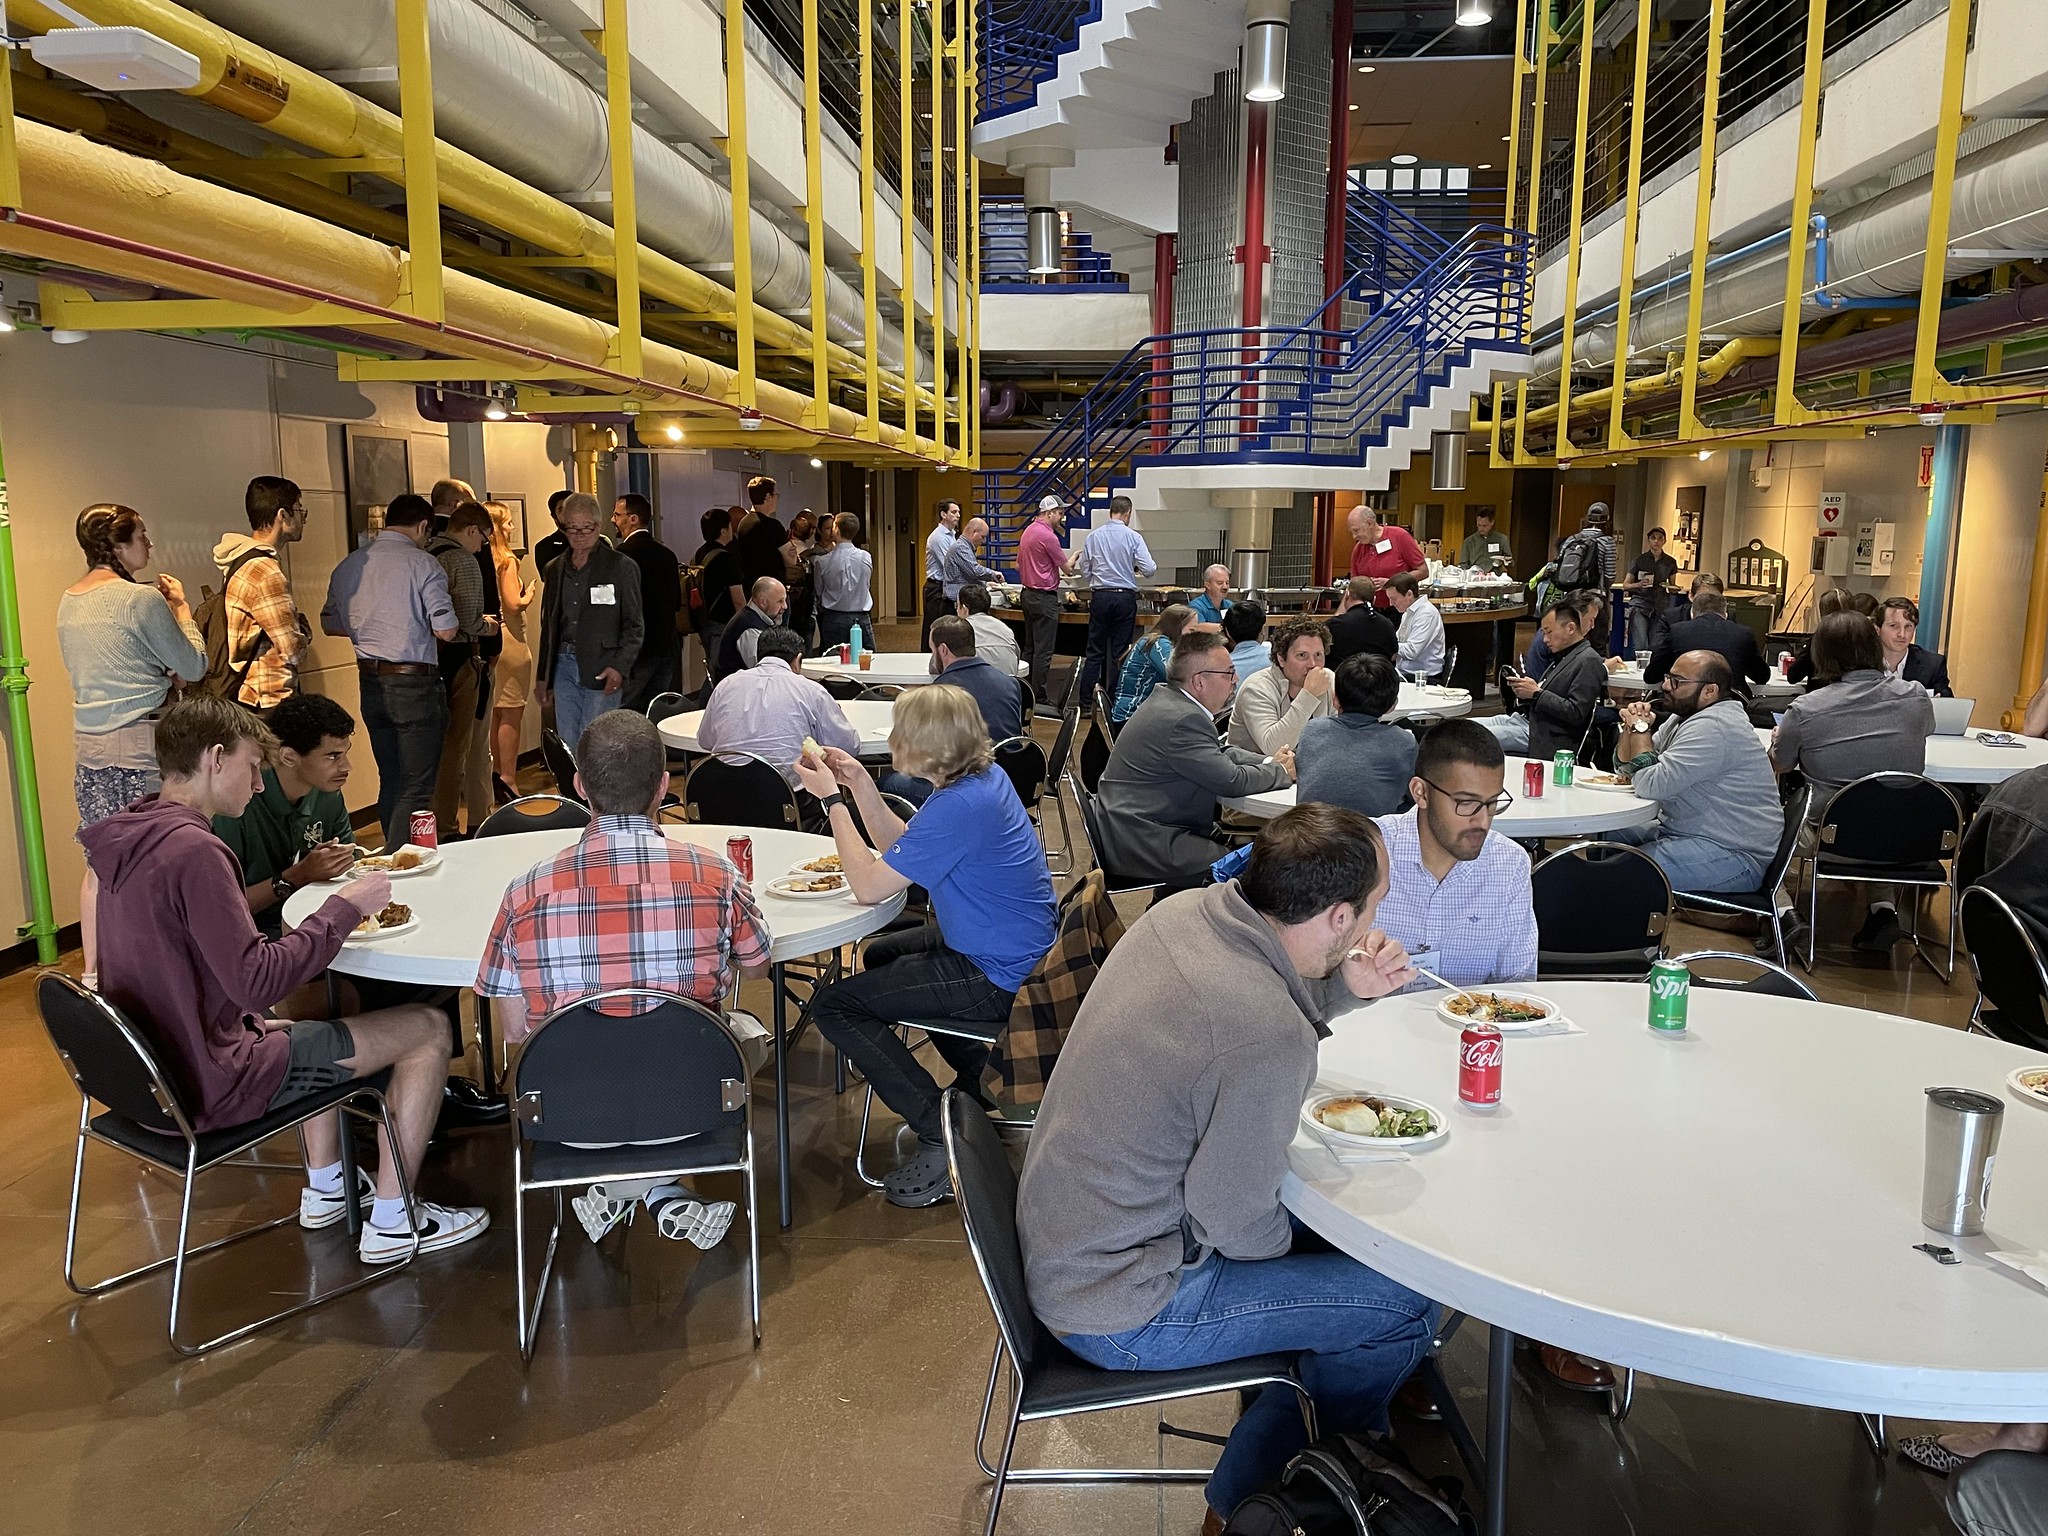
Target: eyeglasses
{"x":1217,"y":672}
{"x":1673,"y":677}
{"x":1469,"y":806}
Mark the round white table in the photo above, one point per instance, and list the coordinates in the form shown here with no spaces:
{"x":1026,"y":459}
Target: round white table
{"x":1418,"y":699}
{"x":1561,"y":811}
{"x":1629,"y":679}
{"x":457,"y":901}
{"x":871,"y":720}
{"x":1965,"y":759}
{"x":899,"y":669}
{"x":1736,"y":1208}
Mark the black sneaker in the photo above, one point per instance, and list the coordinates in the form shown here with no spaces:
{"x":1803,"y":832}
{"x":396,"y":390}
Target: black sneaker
{"x":1880,"y":931}
{"x":464,"y":1104}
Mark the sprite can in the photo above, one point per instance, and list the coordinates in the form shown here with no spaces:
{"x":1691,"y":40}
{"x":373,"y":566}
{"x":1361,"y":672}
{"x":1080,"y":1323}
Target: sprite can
{"x":1670,"y":991}
{"x":1561,"y":768}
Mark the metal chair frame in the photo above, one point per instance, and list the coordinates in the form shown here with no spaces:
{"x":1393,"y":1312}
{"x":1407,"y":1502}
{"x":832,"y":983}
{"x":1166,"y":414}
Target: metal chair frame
{"x":177,"y":1261}
{"x":793,"y":814}
{"x":881,"y":693}
{"x":1089,"y":830}
{"x":1980,"y":895}
{"x":960,"y":1029}
{"x":1774,"y":876}
{"x":1763,"y":965}
{"x":1658,"y":925}
{"x":1950,"y":841}
{"x":528,"y":1320}
{"x":1058,"y":770}
{"x":558,"y":756}
{"x":561,"y":803}
{"x":662,"y":705}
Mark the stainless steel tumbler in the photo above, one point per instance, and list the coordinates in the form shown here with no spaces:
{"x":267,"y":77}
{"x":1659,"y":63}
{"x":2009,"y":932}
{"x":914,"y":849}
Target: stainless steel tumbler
{"x":1962,"y":1147}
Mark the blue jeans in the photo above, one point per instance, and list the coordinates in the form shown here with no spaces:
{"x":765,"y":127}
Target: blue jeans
{"x":1693,"y":863}
{"x":1360,"y":1336}
{"x":896,"y":782}
{"x":406,"y":718}
{"x":1511,"y":731}
{"x":575,"y":705}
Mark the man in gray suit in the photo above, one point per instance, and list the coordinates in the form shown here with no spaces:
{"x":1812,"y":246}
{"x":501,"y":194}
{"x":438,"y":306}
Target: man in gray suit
{"x":1157,"y":799}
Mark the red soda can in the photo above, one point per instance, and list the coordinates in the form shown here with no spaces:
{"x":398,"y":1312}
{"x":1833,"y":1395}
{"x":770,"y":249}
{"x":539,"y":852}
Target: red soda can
{"x":1479,"y":1056}
{"x":739,"y":852}
{"x":845,"y":653}
{"x":425,"y":834}
{"x":1532,"y":780}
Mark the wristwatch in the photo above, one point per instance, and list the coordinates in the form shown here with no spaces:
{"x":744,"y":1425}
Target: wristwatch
{"x":282,"y":889}
{"x":835,"y":798}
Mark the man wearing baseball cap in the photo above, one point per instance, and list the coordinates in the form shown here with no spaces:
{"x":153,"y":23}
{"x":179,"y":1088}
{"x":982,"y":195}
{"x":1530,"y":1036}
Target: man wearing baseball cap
{"x":1041,"y":561}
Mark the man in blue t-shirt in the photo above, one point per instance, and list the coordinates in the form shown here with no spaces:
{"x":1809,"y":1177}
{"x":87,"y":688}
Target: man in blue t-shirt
{"x":974,"y":850}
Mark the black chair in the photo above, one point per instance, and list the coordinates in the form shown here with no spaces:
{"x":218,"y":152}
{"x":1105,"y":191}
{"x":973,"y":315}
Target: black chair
{"x":1024,"y":760}
{"x":749,"y":793}
{"x":881,"y":693}
{"x":1450,"y":666}
{"x":1600,"y":911}
{"x":1030,"y":702}
{"x":1091,"y":827}
{"x":958,"y":1029}
{"x":110,"y":1063}
{"x":1763,"y":902}
{"x":1769,"y":981}
{"x":1055,"y":774}
{"x":662,"y":705}
{"x":1888,"y":829}
{"x":843,"y":688}
{"x":536,"y":813}
{"x":1093,"y":757}
{"x":2010,"y":975}
{"x":561,"y":763}
{"x":1047,"y":1381}
{"x":626,"y":1086}
{"x":1073,"y":686}
{"x":1098,"y":706}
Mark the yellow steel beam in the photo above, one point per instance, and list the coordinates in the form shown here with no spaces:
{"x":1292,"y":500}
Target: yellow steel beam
{"x":1948,"y":131}
{"x":1521,"y":72}
{"x":936,"y":223}
{"x":2034,"y":640}
{"x":422,"y":163}
{"x":452,"y":370}
{"x":1574,"y":240}
{"x":961,"y":8}
{"x":1786,"y":408}
{"x":10,"y":158}
{"x":1702,"y":222}
{"x":1631,"y":221}
{"x":870,"y":319}
{"x":1544,"y":38}
{"x":906,"y":154}
{"x":814,"y":212}
{"x":72,"y":309}
{"x":742,"y":195}
{"x":618,"y":101}
{"x":973,"y":390}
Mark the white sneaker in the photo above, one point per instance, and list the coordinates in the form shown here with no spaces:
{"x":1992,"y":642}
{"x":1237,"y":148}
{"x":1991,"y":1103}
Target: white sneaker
{"x":441,"y":1226}
{"x":317,"y":1210}
{"x":704,"y":1223}
{"x":600,"y":1210}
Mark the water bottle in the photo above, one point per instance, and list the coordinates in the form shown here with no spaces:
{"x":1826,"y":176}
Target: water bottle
{"x":853,"y":639}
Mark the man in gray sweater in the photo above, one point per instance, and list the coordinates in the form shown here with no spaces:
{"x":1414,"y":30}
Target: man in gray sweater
{"x":1719,"y":820}
{"x":1149,"y":1211}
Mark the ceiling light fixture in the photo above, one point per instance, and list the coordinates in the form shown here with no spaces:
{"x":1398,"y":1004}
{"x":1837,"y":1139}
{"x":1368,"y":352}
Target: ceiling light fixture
{"x":1352,"y":108}
{"x":1483,"y":166}
{"x":675,"y":433}
{"x":1474,"y":13}
{"x":1365,"y":69}
{"x":495,"y":411}
{"x":1705,"y":454}
{"x":1401,"y":159}
{"x":65,"y":338}
{"x":817,"y":463}
{"x":1265,"y":50}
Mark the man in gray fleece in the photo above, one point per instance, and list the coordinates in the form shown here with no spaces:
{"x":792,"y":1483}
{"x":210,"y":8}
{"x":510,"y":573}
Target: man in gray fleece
{"x":1149,"y":1211}
{"x":1719,"y":822}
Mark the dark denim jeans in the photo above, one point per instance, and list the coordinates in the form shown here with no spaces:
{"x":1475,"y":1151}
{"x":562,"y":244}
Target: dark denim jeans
{"x":910,"y":976}
{"x":1112,"y":621}
{"x":406,"y":718}
{"x":835,"y":626}
{"x":1041,"y":637}
{"x":1360,"y":1336}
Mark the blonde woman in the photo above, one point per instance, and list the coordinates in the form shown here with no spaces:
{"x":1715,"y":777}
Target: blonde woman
{"x":512,"y":689}
{"x":974,"y":849}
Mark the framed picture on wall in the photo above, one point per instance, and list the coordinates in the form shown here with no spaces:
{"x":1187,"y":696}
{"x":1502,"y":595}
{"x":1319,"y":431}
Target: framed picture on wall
{"x":521,"y":539}
{"x":379,"y":463}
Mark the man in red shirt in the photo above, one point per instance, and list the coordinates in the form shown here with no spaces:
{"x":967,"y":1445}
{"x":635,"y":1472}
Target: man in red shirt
{"x":1382,"y":551}
{"x":1041,"y":561}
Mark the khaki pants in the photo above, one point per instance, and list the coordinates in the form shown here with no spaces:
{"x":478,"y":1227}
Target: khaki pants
{"x":455,"y":765}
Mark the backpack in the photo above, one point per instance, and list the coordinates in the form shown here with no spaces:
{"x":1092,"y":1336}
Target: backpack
{"x":1351,"y":1485}
{"x":1578,"y":563}
{"x":224,"y":673}
{"x":690,"y":612}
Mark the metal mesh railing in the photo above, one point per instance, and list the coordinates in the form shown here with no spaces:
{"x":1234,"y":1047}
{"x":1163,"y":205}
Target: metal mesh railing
{"x":1005,"y":252}
{"x":1021,"y":44}
{"x":839,"y":44}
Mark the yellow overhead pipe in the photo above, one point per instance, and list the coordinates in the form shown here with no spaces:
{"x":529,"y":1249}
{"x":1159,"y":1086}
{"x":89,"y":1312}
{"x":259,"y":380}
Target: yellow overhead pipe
{"x":1712,"y":371}
{"x":297,"y":104}
{"x":136,"y":219}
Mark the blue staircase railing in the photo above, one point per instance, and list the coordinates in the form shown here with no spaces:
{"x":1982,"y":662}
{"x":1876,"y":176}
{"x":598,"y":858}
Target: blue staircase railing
{"x":1021,"y":45}
{"x":1385,"y":246}
{"x":1005,"y":254}
{"x":1310,"y":394}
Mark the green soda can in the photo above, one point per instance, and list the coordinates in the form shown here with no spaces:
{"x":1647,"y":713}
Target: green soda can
{"x":1561,"y":768}
{"x":1670,"y":991}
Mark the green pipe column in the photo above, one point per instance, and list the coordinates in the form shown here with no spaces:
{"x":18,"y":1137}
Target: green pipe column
{"x":42,"y":926}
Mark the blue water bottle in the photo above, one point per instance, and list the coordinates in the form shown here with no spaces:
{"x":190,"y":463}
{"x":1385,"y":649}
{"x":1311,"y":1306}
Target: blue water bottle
{"x":854,"y":639}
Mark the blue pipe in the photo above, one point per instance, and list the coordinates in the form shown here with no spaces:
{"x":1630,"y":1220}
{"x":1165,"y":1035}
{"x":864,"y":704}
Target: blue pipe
{"x":1832,"y":302}
{"x":1714,"y":264}
{"x":1944,"y":515}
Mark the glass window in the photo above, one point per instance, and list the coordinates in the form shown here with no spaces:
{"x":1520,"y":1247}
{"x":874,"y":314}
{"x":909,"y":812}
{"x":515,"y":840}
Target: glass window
{"x":1457,"y":178}
{"x":1376,"y":181}
{"x":1430,"y":179}
{"x":1404,"y":180}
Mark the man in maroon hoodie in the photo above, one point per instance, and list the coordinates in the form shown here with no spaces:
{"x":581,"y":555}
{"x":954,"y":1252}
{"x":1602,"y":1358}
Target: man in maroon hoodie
{"x":181,"y":956}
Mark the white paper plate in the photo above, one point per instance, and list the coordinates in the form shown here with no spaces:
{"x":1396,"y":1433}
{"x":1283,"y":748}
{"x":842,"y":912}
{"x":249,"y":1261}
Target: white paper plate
{"x":1623,"y":788}
{"x":360,"y":937}
{"x":2037,"y":1096}
{"x":430,"y":860}
{"x":1389,"y":1143}
{"x":801,"y":867}
{"x":780,"y":888}
{"x":1443,"y":1010}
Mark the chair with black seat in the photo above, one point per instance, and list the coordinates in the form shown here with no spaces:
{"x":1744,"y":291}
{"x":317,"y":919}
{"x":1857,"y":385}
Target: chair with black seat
{"x":957,"y":1029}
{"x":1450,"y":666}
{"x":1073,"y":683}
{"x":748,"y":793}
{"x":2010,"y":975}
{"x":1899,"y":829}
{"x":1093,"y":757}
{"x":560,"y":761}
{"x":844,"y":689}
{"x":1091,"y":827}
{"x":536,"y":813}
{"x":656,"y":1094}
{"x":110,"y":1063}
{"x":1024,"y":760}
{"x":1601,"y":909}
{"x":1764,"y":901}
{"x":662,"y":705}
{"x":881,"y":693}
{"x":1056,"y":763}
{"x":1098,"y":706}
{"x":1047,"y":1381}
{"x":1769,"y":980}
{"x":1030,"y":704}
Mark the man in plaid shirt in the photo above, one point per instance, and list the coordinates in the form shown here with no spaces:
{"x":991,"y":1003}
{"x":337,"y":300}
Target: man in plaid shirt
{"x":266,"y":631}
{"x":626,"y":906}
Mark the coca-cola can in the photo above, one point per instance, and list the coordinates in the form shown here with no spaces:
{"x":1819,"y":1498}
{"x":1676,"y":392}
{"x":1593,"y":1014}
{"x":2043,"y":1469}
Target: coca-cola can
{"x":739,"y":852}
{"x":1532,"y":780}
{"x":1479,"y":1056}
{"x":425,"y":834}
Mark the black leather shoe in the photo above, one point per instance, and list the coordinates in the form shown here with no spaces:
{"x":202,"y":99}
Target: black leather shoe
{"x":463,"y":1104}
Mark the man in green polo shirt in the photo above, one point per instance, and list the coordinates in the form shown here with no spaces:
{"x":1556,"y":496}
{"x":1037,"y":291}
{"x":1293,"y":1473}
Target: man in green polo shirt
{"x":1484,"y":549}
{"x":296,"y":830}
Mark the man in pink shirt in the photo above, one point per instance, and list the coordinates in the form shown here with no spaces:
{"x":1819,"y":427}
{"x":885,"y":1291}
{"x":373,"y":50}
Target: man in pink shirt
{"x":1041,"y":561}
{"x":1382,"y":551}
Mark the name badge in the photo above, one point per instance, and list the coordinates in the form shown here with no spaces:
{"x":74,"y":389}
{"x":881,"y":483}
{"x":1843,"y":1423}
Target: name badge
{"x":1383,"y":546}
{"x":603,"y":596}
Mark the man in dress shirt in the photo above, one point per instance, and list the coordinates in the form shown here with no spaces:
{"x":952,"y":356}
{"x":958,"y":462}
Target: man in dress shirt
{"x":769,"y":708}
{"x":661,"y":597}
{"x":935,"y":547}
{"x":1382,"y":551}
{"x":1041,"y":561}
{"x":1112,"y":561}
{"x":1420,"y":639}
{"x":994,"y":641}
{"x":390,"y":598}
{"x":843,"y":579}
{"x":963,"y":561}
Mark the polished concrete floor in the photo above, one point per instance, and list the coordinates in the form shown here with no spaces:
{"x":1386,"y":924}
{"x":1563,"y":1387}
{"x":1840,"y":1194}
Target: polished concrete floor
{"x":646,"y":1409}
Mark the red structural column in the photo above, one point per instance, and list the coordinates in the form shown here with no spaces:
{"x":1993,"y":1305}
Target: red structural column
{"x":1340,"y":149}
{"x":1165,"y":261}
{"x":1252,"y":256}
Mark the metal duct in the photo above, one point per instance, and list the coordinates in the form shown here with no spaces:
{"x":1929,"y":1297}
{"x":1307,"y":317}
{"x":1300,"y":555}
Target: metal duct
{"x":1447,"y":461}
{"x":1875,"y":251}
{"x":501,"y":98}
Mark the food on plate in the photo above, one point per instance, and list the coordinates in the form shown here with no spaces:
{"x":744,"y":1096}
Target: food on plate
{"x":1493,"y":1008}
{"x":1367,"y":1116}
{"x":800,"y":886}
{"x":2035,"y":1082}
{"x":827,"y":864}
{"x":1609,"y":780}
{"x":395,"y":915}
{"x":397,"y":863}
